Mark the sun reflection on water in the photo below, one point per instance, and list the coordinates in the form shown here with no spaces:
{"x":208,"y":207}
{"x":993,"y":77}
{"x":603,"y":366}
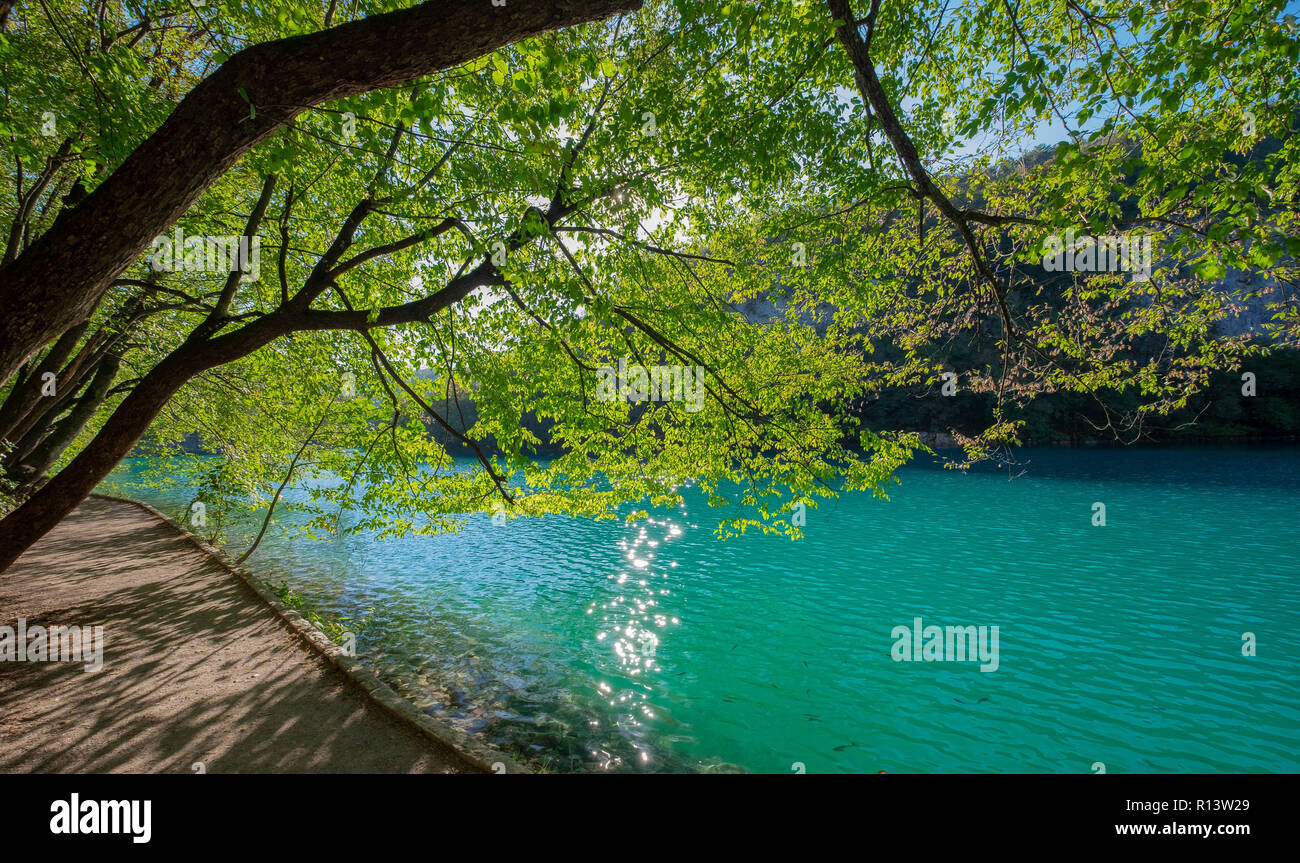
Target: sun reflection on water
{"x":633,"y":624}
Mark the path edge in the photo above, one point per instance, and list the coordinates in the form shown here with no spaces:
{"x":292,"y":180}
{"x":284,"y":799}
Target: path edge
{"x":458,"y":742}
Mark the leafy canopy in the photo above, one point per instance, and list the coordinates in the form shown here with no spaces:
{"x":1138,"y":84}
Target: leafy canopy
{"x":699,"y":184}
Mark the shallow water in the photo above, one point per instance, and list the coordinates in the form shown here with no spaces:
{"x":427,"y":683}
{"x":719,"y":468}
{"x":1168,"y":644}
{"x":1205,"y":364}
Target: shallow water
{"x":600,"y":646}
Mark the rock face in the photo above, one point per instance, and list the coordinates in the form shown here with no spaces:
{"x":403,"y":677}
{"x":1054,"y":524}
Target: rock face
{"x":939,"y":440}
{"x":462,"y":416}
{"x":763,"y":310}
{"x":1252,"y":292}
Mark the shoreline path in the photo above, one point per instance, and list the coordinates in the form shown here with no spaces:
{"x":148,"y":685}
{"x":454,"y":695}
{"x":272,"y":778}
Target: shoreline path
{"x":197,"y":668}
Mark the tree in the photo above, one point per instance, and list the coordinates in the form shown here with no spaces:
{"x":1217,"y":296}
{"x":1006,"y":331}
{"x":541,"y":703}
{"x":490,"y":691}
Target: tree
{"x":508,"y":175}
{"x":56,"y":281}
{"x":593,"y":199}
{"x":1189,"y":87}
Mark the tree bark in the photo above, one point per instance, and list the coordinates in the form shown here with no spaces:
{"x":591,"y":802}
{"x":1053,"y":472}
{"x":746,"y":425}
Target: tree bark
{"x":68,"y":381}
{"x":55,"y":282}
{"x":25,"y":395}
{"x":31,"y":469}
{"x":39,"y":431}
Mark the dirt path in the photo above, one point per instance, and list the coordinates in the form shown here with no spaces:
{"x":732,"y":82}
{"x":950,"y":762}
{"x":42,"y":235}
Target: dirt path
{"x":196,"y":668}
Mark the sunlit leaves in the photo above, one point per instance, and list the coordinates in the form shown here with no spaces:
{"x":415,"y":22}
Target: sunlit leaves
{"x":683,"y":152}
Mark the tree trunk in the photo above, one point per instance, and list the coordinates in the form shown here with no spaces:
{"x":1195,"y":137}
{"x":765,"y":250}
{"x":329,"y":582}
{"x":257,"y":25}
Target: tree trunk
{"x":38,"y":431}
{"x":26,"y":393}
{"x":53,"y":501}
{"x":58,"y":497}
{"x":47,"y":507}
{"x":31,"y":469}
{"x":69,"y":380}
{"x":55,"y":282}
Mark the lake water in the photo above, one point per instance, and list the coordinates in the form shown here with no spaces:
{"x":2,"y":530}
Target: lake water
{"x":588,"y":646}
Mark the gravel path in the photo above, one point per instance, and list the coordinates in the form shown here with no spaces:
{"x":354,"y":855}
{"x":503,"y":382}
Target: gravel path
{"x":196,"y":668}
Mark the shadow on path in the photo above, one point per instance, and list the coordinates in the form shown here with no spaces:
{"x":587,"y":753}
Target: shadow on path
{"x":196,"y":668}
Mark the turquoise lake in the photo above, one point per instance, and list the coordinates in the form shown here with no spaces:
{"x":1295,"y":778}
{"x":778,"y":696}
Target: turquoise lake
{"x":599,"y":646}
